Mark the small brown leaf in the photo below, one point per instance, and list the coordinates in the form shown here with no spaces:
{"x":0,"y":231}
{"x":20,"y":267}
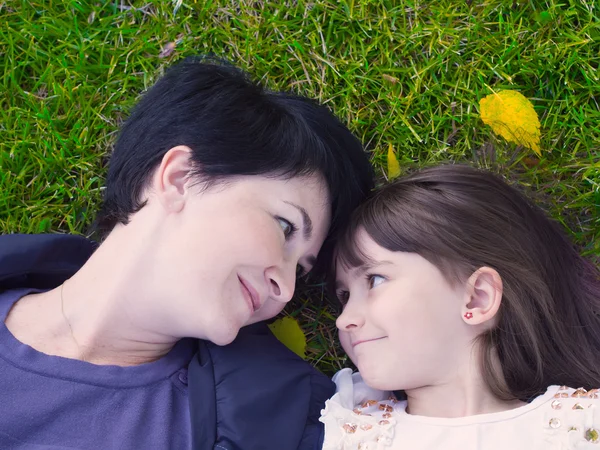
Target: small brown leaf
{"x":167,"y":50}
{"x":91,"y":17}
{"x":390,"y":78}
{"x":42,"y":92}
{"x":531,"y":161}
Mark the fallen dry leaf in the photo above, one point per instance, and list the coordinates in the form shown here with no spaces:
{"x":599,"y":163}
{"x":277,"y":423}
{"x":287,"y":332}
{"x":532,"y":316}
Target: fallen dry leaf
{"x":393,"y":166}
{"x":511,"y":115}
{"x":288,"y":331}
{"x":167,"y":50}
{"x":390,"y":78}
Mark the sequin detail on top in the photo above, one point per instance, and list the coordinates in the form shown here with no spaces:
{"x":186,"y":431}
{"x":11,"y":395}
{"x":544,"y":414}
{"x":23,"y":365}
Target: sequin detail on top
{"x":350,"y":428}
{"x":369,"y":426}
{"x":556,"y":404}
{"x":571,"y":418}
{"x":581,"y":392}
{"x":554,"y":423}
{"x":592,"y":435}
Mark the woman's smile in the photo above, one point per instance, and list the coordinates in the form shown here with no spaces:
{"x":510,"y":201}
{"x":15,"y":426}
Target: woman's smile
{"x":250,"y":295}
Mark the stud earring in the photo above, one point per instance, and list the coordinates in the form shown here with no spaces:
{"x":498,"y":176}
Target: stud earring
{"x":468,"y":315}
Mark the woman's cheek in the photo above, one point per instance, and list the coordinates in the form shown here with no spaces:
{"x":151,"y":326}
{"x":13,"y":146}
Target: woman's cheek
{"x":269,"y":242}
{"x":269,"y":310}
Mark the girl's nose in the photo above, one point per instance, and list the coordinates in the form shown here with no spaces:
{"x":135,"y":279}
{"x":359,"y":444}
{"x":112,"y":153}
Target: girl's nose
{"x":351,"y":318}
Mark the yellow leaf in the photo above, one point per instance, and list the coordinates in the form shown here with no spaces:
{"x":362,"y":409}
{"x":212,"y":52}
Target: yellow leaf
{"x":511,"y":115}
{"x":393,"y":166}
{"x":290,"y":334}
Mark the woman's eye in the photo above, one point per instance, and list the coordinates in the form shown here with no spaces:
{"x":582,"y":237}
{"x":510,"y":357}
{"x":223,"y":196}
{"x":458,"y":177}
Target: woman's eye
{"x":375,"y":280}
{"x":300,"y":272}
{"x":287,"y":227}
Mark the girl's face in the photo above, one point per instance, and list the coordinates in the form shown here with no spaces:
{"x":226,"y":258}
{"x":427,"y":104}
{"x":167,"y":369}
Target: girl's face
{"x":231,"y":256}
{"x":401,"y":324}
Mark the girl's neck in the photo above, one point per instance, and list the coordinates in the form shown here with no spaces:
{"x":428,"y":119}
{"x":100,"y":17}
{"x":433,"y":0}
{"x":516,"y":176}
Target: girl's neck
{"x":452,"y":401}
{"x":465,"y":394}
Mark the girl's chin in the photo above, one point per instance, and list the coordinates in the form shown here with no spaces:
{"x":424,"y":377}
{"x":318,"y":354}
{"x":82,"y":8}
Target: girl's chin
{"x":375,"y":378}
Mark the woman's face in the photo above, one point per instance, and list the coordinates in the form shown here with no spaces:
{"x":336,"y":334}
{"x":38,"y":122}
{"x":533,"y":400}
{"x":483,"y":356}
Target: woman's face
{"x":401,"y":324}
{"x":233,"y":252}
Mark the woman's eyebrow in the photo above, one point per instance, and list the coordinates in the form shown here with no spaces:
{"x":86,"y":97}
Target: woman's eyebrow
{"x":307,"y":228}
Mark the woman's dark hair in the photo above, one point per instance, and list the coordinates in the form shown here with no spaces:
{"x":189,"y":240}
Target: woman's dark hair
{"x":461,"y":219}
{"x":234,"y":127}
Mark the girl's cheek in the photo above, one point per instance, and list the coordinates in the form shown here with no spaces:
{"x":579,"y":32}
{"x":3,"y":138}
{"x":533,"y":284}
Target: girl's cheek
{"x":346,"y":344}
{"x":384,"y":302}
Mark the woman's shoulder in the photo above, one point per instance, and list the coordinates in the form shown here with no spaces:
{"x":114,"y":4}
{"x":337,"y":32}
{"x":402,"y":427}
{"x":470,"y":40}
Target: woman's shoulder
{"x":572,"y":416}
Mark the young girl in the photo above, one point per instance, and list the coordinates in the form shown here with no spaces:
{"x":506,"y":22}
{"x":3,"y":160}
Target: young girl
{"x":461,"y":293}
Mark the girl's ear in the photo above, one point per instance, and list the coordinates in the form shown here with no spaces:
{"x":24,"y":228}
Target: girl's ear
{"x":483,"y":296}
{"x":170,"y":182}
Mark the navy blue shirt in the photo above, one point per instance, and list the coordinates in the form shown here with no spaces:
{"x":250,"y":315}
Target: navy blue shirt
{"x":50,"y":402}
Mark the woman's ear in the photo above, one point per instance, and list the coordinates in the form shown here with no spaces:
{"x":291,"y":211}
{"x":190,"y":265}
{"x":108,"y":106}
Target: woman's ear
{"x":483,"y":296}
{"x":172,"y":176}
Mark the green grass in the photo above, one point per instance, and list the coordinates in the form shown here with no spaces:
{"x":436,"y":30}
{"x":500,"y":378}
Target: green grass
{"x":410,"y":73}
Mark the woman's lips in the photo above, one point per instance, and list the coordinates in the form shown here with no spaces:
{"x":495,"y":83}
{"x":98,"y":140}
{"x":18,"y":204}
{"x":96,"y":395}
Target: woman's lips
{"x":250,"y":295}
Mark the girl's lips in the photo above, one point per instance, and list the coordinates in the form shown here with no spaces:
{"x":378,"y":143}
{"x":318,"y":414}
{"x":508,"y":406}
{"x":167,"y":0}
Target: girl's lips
{"x":354,"y":344}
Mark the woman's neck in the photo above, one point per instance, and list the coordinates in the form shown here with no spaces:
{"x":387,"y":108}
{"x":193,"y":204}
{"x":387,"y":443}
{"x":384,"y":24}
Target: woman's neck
{"x":105,"y":314}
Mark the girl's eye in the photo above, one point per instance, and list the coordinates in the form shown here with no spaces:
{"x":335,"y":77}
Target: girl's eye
{"x":300,"y":271}
{"x":375,"y":280}
{"x":343,"y":296}
{"x":288,"y":227}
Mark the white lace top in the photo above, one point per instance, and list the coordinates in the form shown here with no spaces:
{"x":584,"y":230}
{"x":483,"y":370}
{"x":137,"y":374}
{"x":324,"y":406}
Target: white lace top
{"x":360,"y":418}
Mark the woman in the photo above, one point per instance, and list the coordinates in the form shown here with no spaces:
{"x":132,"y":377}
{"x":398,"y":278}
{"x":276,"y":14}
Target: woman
{"x":218,"y":194}
{"x":459,"y":291}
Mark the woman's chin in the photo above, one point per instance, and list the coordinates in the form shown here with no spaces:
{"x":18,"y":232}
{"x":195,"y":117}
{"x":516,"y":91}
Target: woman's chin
{"x":224,"y":335}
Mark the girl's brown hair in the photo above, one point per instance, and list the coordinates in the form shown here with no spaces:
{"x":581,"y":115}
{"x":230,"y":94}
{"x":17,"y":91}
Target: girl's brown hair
{"x":461,"y":219}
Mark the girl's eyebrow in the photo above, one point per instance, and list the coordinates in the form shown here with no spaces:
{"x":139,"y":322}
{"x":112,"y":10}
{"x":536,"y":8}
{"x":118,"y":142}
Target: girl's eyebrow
{"x":364,"y":268}
{"x":338,"y":284}
{"x":370,"y":265}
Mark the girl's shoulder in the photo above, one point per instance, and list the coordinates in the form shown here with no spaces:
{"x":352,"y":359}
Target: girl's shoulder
{"x":358,"y":416}
{"x":370,"y":425}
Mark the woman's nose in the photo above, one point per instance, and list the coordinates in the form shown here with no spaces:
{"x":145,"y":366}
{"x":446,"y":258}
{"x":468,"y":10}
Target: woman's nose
{"x":282,"y":283}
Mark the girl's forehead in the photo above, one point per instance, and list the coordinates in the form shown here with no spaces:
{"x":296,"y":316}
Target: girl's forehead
{"x":356,"y":249}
